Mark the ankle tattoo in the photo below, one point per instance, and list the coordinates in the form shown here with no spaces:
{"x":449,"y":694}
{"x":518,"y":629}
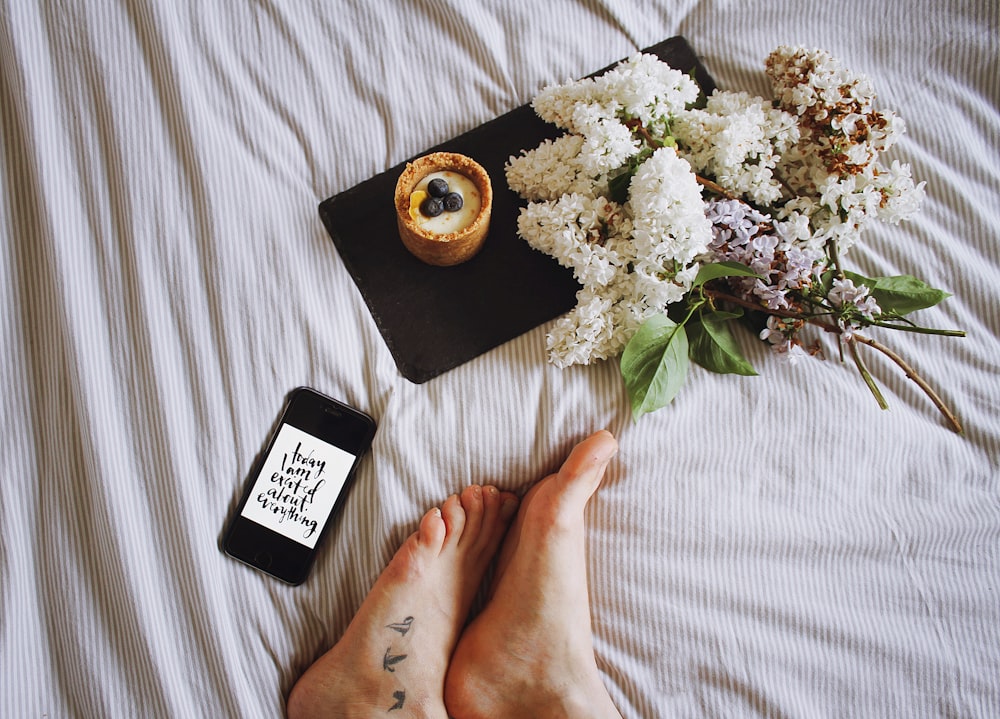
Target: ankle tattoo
{"x":400,"y":697}
{"x":402,"y":627}
{"x":390,"y":660}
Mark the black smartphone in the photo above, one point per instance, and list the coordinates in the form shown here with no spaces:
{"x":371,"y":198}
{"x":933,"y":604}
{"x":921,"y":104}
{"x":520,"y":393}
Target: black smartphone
{"x":298,"y":485}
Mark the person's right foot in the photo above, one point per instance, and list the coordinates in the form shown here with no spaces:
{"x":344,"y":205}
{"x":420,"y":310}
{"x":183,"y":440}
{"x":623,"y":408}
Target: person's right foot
{"x":530,"y":651}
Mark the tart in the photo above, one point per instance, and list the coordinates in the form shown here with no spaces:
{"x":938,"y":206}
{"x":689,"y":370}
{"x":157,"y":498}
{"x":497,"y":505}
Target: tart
{"x":435,"y":235}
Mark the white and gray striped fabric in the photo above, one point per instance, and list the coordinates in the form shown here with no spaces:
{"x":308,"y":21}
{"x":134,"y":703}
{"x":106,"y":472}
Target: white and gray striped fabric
{"x":769,"y":546}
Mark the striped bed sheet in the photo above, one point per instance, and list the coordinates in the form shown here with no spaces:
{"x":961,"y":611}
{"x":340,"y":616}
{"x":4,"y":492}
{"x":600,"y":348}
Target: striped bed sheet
{"x":765,"y":546}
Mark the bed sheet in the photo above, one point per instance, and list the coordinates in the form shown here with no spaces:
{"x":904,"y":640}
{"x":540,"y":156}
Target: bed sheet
{"x":765,"y":546}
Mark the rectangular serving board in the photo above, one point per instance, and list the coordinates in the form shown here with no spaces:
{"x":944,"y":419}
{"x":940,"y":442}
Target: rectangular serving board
{"x":436,"y":318}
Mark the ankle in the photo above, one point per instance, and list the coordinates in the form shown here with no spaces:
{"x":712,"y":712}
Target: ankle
{"x":596,"y":704}
{"x":472,"y":694}
{"x":583,"y":697}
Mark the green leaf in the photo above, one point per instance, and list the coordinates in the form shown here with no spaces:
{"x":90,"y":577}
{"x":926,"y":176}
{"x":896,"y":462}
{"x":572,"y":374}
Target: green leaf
{"x":904,"y":294}
{"x":900,"y":294}
{"x":654,"y":364}
{"x":715,"y":270}
{"x":826,"y":281}
{"x":702,"y":101}
{"x":713,"y":346}
{"x":618,"y":187}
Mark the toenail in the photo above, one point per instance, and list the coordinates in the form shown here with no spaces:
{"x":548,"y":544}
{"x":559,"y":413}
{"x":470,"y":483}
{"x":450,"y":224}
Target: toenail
{"x":493,"y":490}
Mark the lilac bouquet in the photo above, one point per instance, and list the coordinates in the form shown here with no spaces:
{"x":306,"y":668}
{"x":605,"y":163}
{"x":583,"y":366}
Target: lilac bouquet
{"x":681,"y":215}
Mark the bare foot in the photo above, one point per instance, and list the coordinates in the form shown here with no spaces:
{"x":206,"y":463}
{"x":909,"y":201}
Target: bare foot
{"x":530,"y":653}
{"x":395,"y":653}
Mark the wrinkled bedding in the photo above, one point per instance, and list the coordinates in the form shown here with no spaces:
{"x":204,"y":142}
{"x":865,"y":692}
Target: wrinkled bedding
{"x":765,"y":546}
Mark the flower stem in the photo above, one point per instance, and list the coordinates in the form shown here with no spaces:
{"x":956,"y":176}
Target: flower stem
{"x":639,"y":129}
{"x":833,"y":252}
{"x":912,"y":374}
{"x":725,"y":297}
{"x":920,"y":330}
{"x":866,"y":375}
{"x":715,"y":187}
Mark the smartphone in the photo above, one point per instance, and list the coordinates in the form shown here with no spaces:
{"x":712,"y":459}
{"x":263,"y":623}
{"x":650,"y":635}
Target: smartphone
{"x":298,"y":485}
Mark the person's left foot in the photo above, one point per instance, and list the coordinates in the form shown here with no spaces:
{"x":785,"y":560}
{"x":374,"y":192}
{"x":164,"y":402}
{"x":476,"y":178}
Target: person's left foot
{"x":394,"y":655}
{"x":530,"y":652}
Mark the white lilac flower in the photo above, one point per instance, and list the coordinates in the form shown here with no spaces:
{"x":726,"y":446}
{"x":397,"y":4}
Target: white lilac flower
{"x":553,"y":169}
{"x":868,"y":307}
{"x":800,"y":268}
{"x":632,"y":261}
{"x":772,"y":297}
{"x":773,"y":331}
{"x":573,"y":228}
{"x":607,"y":145}
{"x":901,"y":197}
{"x":733,"y":222}
{"x":669,"y":220}
{"x":810,"y":161}
{"x":558,"y":103}
{"x":648,"y":89}
{"x":743,"y":234}
{"x":793,"y":225}
{"x":836,"y":111}
{"x":780,"y":334}
{"x":844,"y":292}
{"x":642,"y":87}
{"x":737,"y":139}
{"x":584,"y":334}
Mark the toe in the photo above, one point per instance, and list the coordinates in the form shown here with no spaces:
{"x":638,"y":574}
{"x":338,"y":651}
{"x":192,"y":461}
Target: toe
{"x":474,"y":504}
{"x":491,"y":507}
{"x":490,"y":518}
{"x":508,"y":509}
{"x":500,"y":510}
{"x":454,"y":518}
{"x":432,"y":530}
{"x":584,"y":468}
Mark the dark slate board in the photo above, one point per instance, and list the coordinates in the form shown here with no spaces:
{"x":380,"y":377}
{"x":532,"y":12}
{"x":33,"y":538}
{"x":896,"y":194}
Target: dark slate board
{"x":436,"y":318}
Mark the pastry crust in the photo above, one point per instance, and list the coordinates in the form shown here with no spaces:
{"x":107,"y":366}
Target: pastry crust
{"x":454,"y":247}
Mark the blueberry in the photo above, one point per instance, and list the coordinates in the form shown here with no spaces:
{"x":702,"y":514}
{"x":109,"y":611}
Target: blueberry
{"x":437,"y":187}
{"x":431,"y":207}
{"x":453,"y":202}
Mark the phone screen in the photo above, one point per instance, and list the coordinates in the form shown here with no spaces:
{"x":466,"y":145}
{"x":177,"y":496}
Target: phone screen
{"x":298,"y":485}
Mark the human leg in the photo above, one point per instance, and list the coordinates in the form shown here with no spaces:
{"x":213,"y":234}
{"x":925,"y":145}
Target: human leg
{"x":394,"y":655}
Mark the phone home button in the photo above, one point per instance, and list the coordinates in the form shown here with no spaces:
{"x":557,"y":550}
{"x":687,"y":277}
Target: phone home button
{"x":263,"y":559}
